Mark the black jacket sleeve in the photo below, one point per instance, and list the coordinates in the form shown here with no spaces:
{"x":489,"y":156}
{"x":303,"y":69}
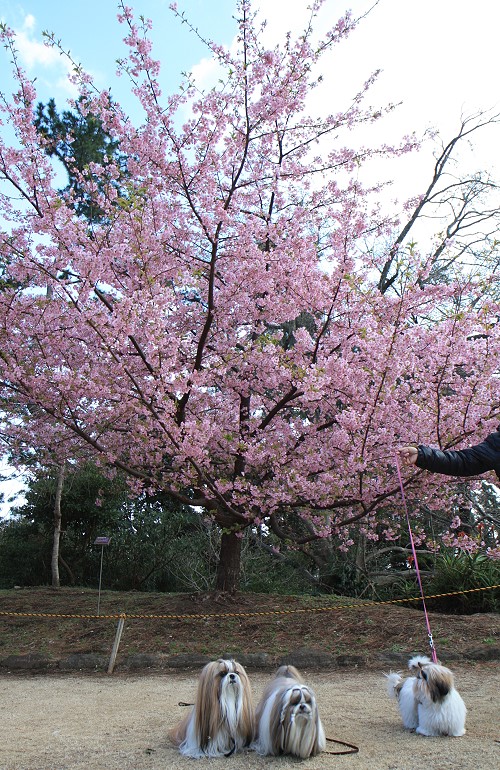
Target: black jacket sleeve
{"x":464,"y":462}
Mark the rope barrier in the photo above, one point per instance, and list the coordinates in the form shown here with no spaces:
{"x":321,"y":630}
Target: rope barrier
{"x":205,"y":616}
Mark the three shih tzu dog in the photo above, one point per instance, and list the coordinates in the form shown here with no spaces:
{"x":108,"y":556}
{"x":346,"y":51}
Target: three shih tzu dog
{"x":286,"y":721}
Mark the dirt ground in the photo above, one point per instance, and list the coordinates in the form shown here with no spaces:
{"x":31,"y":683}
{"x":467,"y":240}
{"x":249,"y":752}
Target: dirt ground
{"x":120,"y":722}
{"x":201,"y":624}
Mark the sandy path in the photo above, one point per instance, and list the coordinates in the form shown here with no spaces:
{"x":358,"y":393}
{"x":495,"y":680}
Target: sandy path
{"x":120,"y":723}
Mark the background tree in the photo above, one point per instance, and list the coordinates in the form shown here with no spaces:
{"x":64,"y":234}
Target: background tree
{"x":57,"y":527}
{"x":77,"y":138}
{"x":143,"y":531}
{"x":155,"y":545}
{"x":162,"y":347}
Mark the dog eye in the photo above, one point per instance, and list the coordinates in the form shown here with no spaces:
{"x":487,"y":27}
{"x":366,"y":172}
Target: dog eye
{"x":424,"y":676}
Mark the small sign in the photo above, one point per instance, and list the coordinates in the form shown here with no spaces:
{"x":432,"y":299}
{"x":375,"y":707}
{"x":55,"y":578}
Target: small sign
{"x":102,"y":541}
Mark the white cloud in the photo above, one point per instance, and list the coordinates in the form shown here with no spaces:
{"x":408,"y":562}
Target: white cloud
{"x":206,"y":73}
{"x":36,"y":56}
{"x":439,"y":59}
{"x":29,"y":21}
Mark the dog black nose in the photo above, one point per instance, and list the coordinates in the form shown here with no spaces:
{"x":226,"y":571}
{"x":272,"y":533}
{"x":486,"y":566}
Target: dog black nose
{"x":232,"y":677}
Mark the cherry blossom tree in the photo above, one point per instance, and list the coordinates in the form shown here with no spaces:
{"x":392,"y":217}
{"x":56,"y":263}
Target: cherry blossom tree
{"x":243,"y":327}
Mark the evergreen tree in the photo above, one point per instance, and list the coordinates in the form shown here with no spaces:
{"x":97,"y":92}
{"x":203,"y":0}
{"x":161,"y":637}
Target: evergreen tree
{"x":78,"y":139}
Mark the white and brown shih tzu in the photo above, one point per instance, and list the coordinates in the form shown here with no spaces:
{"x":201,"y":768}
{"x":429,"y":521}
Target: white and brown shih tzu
{"x":221,"y":721}
{"x":287,"y":718}
{"x":428,"y":701}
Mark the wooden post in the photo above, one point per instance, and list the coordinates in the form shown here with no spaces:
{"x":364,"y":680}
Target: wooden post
{"x":116,"y":644}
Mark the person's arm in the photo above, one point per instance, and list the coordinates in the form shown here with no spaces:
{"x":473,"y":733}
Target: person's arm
{"x":457,"y":462}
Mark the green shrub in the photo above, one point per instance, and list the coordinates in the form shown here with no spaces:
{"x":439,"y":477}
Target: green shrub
{"x":463,"y":572}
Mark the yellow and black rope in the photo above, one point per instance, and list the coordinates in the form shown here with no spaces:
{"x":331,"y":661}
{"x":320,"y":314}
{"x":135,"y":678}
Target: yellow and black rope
{"x":360,"y":605}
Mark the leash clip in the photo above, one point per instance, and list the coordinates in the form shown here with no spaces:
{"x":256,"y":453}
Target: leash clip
{"x":433,"y":649}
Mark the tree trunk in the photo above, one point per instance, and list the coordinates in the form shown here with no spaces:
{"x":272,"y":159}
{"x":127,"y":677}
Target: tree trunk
{"x":361,"y":555}
{"x":57,"y":529}
{"x":68,"y":570}
{"x":228,"y":569}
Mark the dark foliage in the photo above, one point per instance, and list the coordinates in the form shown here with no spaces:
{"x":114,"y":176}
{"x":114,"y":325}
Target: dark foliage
{"x":77,"y":139}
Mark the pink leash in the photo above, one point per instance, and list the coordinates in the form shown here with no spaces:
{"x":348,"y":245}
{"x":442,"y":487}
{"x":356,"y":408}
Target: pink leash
{"x":415,"y":561}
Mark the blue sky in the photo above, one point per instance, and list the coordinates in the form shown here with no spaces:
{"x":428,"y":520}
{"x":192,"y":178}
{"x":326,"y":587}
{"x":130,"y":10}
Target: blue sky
{"x":90,"y":30}
{"x":453,"y":39}
{"x":439,"y":57}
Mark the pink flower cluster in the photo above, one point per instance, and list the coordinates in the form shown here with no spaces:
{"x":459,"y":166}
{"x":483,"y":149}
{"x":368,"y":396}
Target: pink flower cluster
{"x":243,"y":328}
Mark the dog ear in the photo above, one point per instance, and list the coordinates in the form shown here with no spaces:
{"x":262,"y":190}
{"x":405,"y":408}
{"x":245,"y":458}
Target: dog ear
{"x":439,"y":686}
{"x":442,"y":689}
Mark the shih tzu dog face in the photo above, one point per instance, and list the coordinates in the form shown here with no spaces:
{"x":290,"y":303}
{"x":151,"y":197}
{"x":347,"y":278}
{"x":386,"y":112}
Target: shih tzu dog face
{"x":221,"y":720}
{"x":287,"y":718}
{"x":427,"y":700}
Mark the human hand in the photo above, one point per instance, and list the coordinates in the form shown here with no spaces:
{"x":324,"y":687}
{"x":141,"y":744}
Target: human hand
{"x":408,"y":455}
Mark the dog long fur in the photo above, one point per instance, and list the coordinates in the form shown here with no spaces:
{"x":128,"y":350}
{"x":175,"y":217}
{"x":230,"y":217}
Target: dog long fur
{"x":221,"y":721}
{"x":428,"y":701}
{"x":287,"y":718}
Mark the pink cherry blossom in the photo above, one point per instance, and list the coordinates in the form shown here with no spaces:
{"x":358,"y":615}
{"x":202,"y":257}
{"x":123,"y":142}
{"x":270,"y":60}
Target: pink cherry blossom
{"x":221,"y":333}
